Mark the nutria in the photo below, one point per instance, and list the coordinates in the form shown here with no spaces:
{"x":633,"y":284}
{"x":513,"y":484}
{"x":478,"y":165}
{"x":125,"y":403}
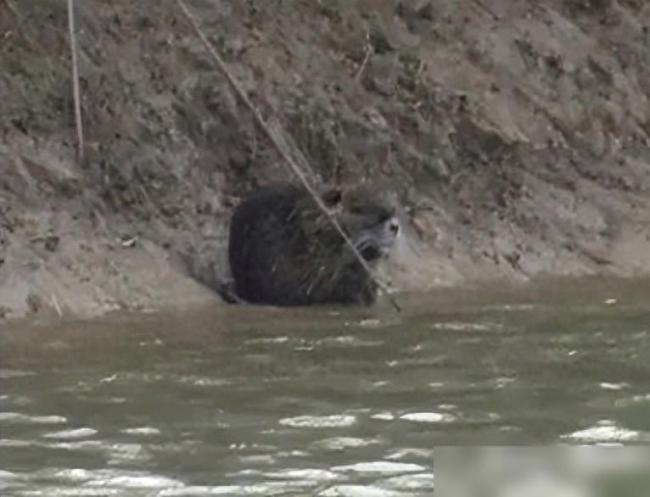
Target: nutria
{"x":285,"y":251}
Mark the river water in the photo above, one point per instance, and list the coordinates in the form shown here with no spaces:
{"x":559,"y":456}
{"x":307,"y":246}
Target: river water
{"x":320,"y":401}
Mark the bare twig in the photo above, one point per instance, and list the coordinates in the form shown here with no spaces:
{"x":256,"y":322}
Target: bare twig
{"x":280,"y":145}
{"x":75,"y":81}
{"x":57,"y":307}
{"x":363,"y":65}
{"x":487,"y":9}
{"x":12,"y":8}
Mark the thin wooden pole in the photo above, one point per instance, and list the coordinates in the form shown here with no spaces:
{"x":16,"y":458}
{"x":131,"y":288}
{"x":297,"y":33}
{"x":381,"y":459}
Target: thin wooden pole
{"x":76,"y":92}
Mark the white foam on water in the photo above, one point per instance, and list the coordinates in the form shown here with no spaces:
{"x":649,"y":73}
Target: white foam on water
{"x":462,"y":326}
{"x":265,"y":489}
{"x":291,"y":454}
{"x":69,"y":492}
{"x":203,"y":381}
{"x":136,"y":482}
{"x":383,"y":416}
{"x":199,"y":491}
{"x":483,"y":417}
{"x":382,"y":467}
{"x":370,"y":323}
{"x":100,"y":482}
{"x":333,"y":421}
{"x":428,"y":417}
{"x":258,"y":459}
{"x":6,"y":374}
{"x":253,"y":446}
{"x":358,"y":491}
{"x":504,"y":381}
{"x":634,"y":400}
{"x":93,"y":445}
{"x":19,"y":400}
{"x":75,"y":475}
{"x":419,"y":482}
{"x":105,"y":400}
{"x":109,"y":379}
{"x":267,"y":341}
{"x":343,"y":443}
{"x":142,"y":430}
{"x":348,"y":341}
{"x":8,"y":479}
{"x":509,"y":307}
{"x":301,"y":477}
{"x":310,"y":475}
{"x":604,"y":431}
{"x":410,"y":452}
{"x":16,"y":417}
{"x":120,"y":453}
{"x":613,"y":386}
{"x":115,"y":453}
{"x":116,"y":479}
{"x":7,"y":442}
{"x":72,"y":434}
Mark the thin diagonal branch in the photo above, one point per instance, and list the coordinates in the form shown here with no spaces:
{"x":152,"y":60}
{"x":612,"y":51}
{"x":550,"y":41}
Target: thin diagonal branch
{"x":278,"y":144}
{"x":76,"y":92}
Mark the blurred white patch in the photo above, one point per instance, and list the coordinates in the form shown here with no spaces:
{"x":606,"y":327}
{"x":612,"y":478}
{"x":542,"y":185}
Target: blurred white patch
{"x":383,"y":467}
{"x":72,"y":434}
{"x":357,"y":491}
{"x":613,"y":386}
{"x":461,"y":326}
{"x":560,"y":471}
{"x":14,"y":373}
{"x":16,"y":417}
{"x":335,"y":421}
{"x":604,"y":431}
{"x":383,"y":416}
{"x":428,"y":417}
{"x":142,"y":430}
{"x":343,"y":443}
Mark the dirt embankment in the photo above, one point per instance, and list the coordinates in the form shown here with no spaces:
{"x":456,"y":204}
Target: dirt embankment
{"x":515,"y":135}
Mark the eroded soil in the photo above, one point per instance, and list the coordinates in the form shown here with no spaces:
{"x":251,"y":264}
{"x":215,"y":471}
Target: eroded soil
{"x":513,"y":134}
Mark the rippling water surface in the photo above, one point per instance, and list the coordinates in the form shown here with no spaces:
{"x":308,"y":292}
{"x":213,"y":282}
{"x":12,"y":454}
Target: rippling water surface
{"x":316,"y":402}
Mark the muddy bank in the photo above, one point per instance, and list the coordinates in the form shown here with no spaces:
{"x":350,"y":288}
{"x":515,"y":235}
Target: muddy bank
{"x":513,"y":134}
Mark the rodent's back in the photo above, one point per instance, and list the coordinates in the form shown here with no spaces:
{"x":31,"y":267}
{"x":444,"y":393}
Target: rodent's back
{"x":260,"y":234}
{"x":285,"y":251}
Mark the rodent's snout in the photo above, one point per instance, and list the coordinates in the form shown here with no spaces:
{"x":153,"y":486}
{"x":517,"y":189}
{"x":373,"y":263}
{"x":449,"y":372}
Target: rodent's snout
{"x":393,"y":226}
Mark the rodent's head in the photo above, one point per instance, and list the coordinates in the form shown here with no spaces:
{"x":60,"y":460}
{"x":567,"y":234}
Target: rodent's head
{"x":370,"y":222}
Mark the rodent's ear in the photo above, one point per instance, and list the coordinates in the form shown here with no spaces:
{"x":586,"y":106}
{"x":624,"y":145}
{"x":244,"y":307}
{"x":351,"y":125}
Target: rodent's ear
{"x":332,"y":197}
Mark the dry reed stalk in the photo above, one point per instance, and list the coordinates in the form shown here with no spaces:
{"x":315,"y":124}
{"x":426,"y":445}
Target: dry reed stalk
{"x":280,"y":145}
{"x":57,"y":307}
{"x":366,"y":58}
{"x":76,"y":92}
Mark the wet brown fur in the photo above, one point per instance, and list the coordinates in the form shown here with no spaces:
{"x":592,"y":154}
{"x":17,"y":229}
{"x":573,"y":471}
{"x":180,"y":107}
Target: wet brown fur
{"x":285,"y":251}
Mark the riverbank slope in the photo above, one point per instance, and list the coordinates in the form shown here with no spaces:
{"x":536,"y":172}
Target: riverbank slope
{"x":514,"y":136}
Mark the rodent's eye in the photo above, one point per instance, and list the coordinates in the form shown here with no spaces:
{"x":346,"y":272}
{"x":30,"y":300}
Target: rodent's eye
{"x":385,"y":215}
